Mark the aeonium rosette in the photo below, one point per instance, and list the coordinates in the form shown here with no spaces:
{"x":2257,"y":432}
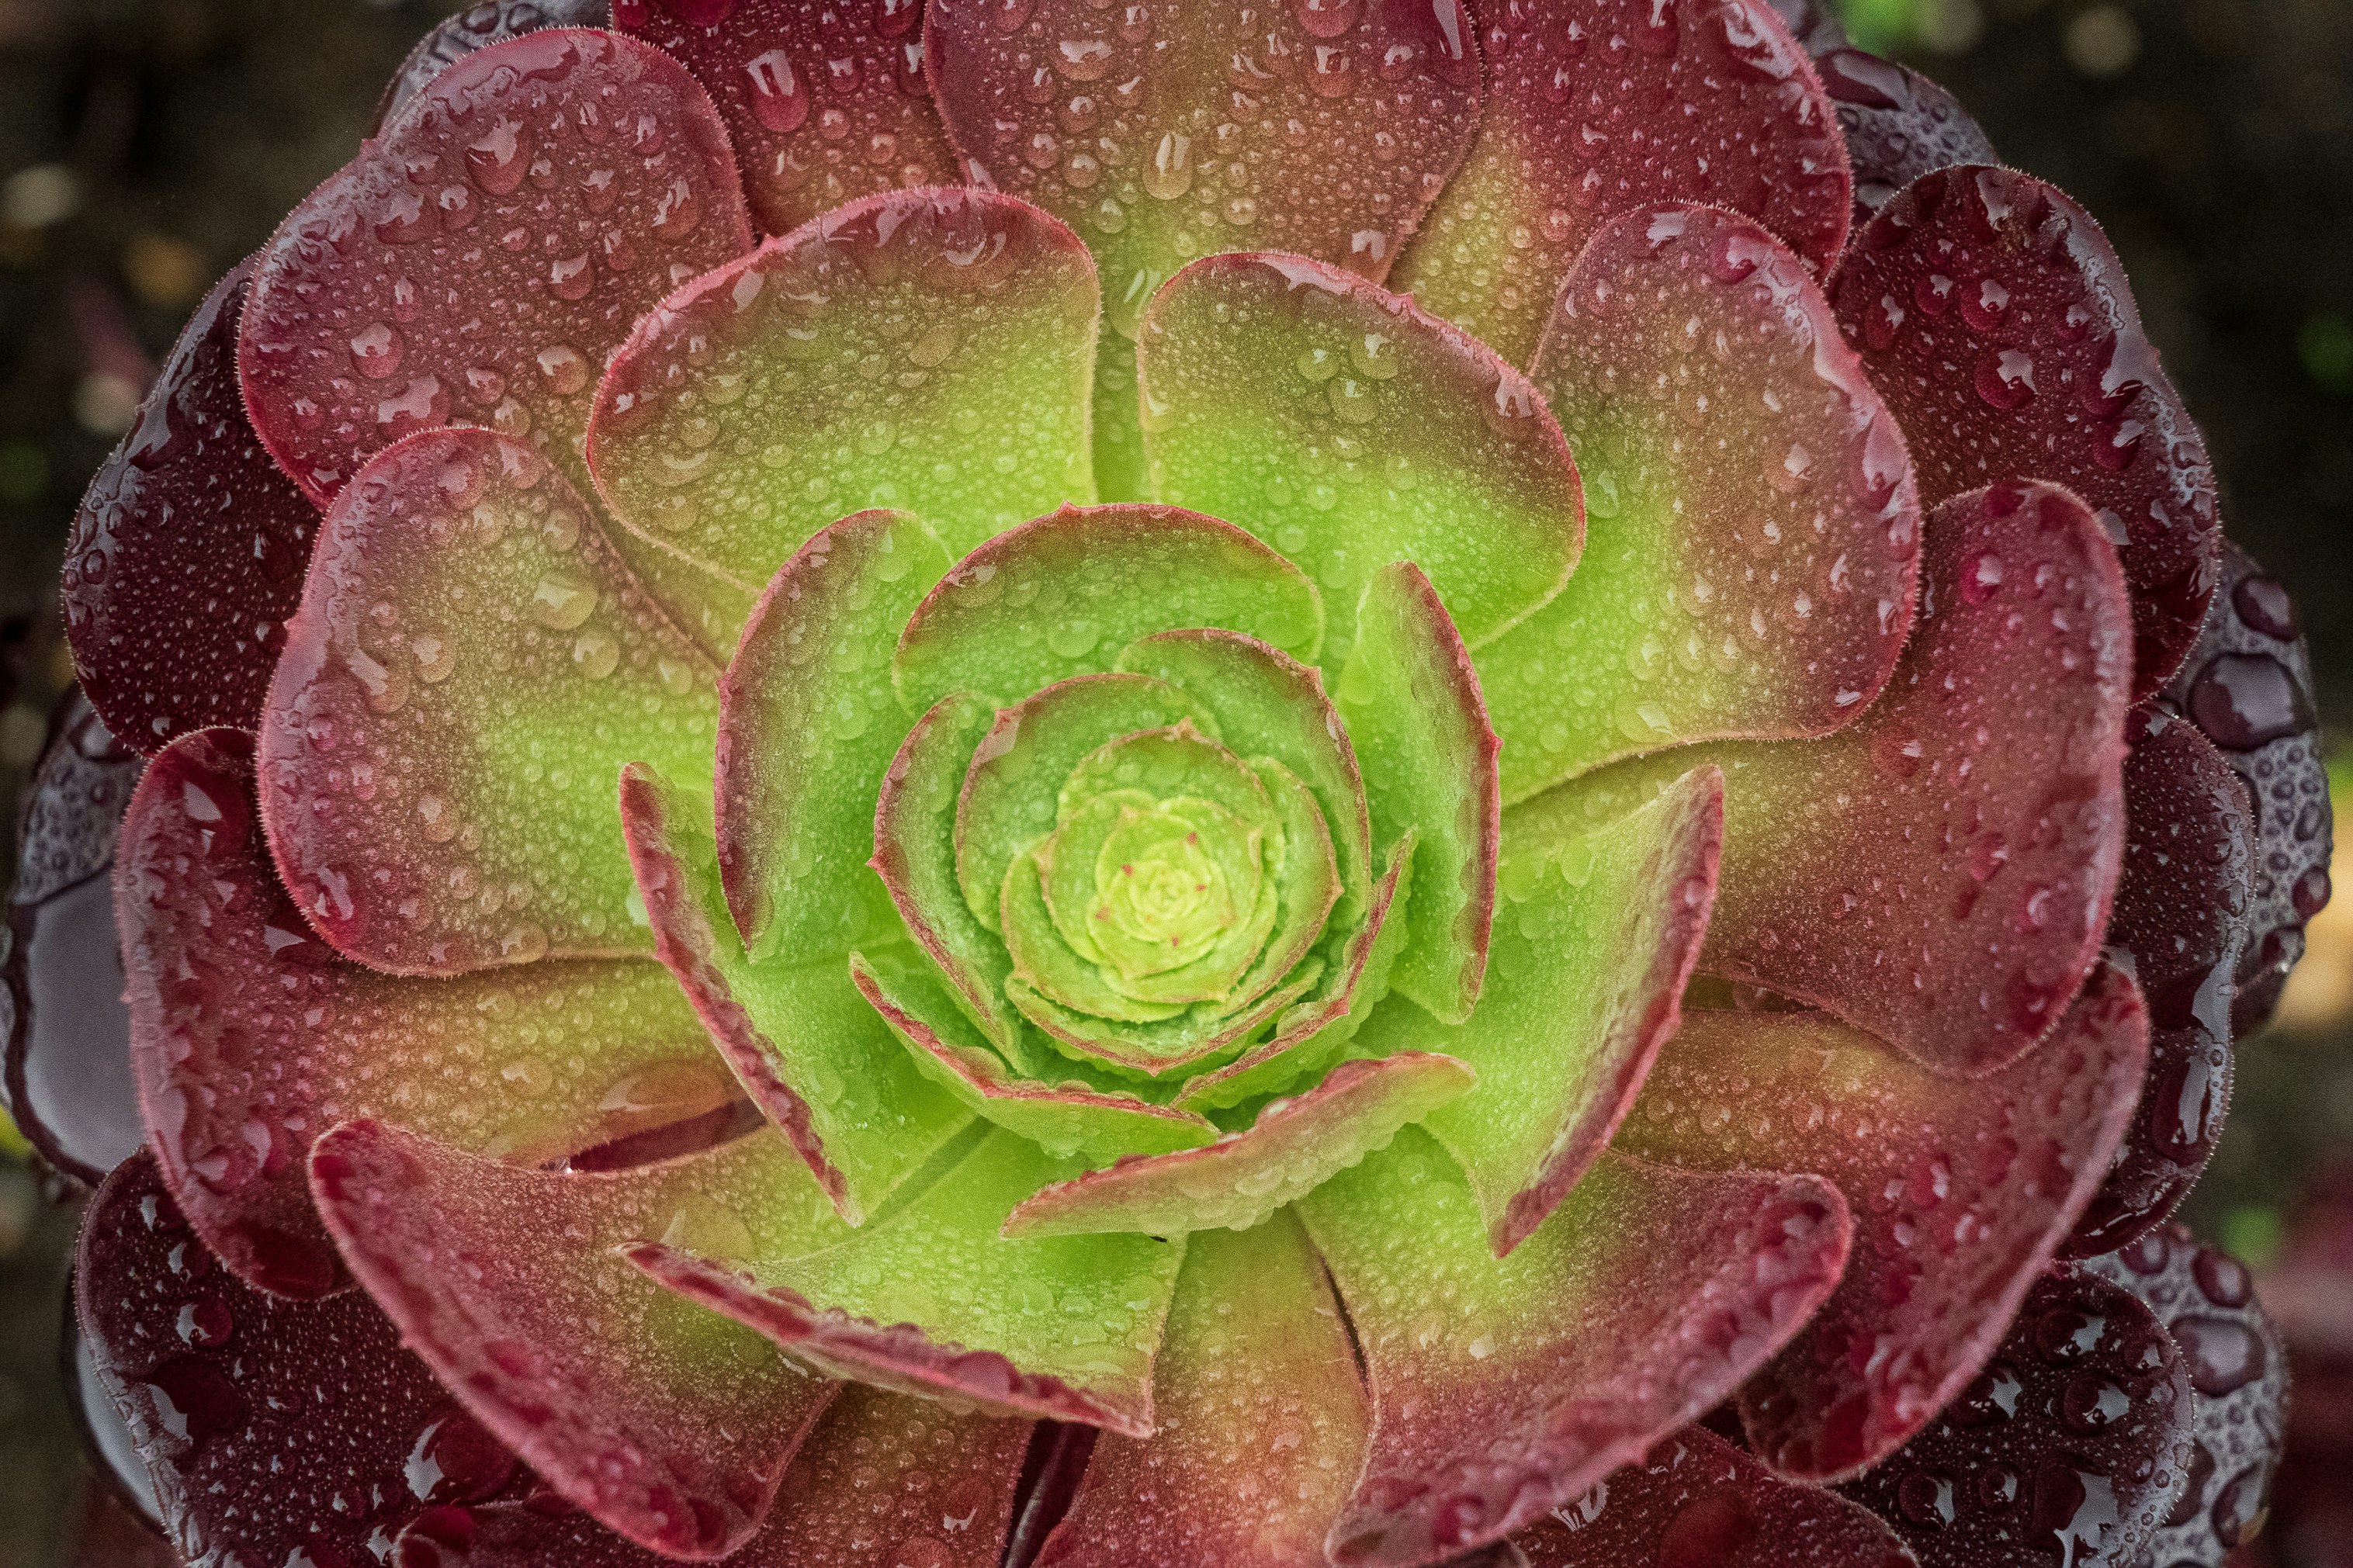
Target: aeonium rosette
{"x":1035,"y":808}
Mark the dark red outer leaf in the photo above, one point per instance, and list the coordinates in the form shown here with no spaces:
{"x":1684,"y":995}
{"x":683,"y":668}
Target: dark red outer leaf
{"x":1696,"y":1501}
{"x":188,"y":551}
{"x":66,"y":1083}
{"x":1998,"y":324}
{"x":475,"y":29}
{"x":505,"y":1281}
{"x":2247,"y":685}
{"x":884,"y":1482}
{"x":2182,"y":917}
{"x":2069,"y":1448}
{"x":2239,"y":1369}
{"x":825,"y":102}
{"x":478,"y":261}
{"x":1960,"y":1189}
{"x":277,"y":1432}
{"x":1899,"y":125}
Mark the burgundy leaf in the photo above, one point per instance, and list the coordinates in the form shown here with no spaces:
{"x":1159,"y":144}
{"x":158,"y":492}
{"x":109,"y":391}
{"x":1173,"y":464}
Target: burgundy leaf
{"x":1899,"y":125}
{"x":475,"y":29}
{"x":2181,"y":915}
{"x":2238,"y":1368}
{"x":2070,"y":1447}
{"x":2247,"y":685}
{"x":188,"y":551}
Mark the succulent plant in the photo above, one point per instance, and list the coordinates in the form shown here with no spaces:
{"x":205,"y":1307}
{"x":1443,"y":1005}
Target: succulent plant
{"x":1311,"y":769}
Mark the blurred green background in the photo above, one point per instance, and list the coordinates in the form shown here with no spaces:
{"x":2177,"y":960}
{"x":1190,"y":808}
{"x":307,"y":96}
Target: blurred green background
{"x":147,"y":144}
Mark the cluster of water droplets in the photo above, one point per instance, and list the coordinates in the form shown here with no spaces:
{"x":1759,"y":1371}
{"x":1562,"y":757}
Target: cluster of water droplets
{"x":471,"y":682}
{"x":1650,"y":102}
{"x":480,"y":261}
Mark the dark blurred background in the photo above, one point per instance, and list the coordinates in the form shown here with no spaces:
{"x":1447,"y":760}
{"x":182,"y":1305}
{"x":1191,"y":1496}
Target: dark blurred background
{"x":147,"y":144}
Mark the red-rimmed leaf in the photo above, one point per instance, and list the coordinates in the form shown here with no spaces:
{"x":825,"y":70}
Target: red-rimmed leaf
{"x":251,"y":1037}
{"x":925,"y":350}
{"x":1107,"y":123}
{"x":2239,"y":1369}
{"x":2181,"y":914}
{"x":2247,"y":685}
{"x":1753,"y":531}
{"x":932,"y":1300}
{"x":1503,"y":1388}
{"x":1064,"y":595}
{"x":1939,"y":873}
{"x":274,"y":1431}
{"x":1261,"y":1413}
{"x":1961,"y":1191}
{"x":817,"y":1060}
{"x":921,"y":1485}
{"x":2070,"y":1447}
{"x":187,"y":552}
{"x":479,"y":259}
{"x":1999,"y":325}
{"x":1417,"y":718}
{"x":1595,"y":938}
{"x":1071,"y":1116}
{"x":825,"y":103}
{"x":471,"y":665}
{"x":1899,"y":125}
{"x":808,"y":725}
{"x":1349,"y":428}
{"x":1293,"y":1147}
{"x":1595,"y":106}
{"x":1696,"y":1499}
{"x":475,"y":29}
{"x":670,"y":1425}
{"x":65,"y":1074}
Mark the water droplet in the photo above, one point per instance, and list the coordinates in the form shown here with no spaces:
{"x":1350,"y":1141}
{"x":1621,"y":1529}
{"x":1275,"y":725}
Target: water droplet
{"x":377,"y":350}
{"x":561,"y":600}
{"x":778,"y":101}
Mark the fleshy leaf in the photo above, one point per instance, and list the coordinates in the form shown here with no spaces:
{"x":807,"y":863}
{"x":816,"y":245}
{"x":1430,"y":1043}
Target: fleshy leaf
{"x":800,"y":1038}
{"x":1898,"y":124}
{"x":1260,"y":1421}
{"x":825,"y":104}
{"x":1105,"y":123}
{"x":1999,"y":325}
{"x":2239,"y":1369}
{"x":1961,"y":1190}
{"x":1071,"y":1116}
{"x":925,"y":350}
{"x":1595,"y":106}
{"x":65,"y":1031}
{"x":189,"y":550}
{"x":1595,"y":938}
{"x":387,"y":303}
{"x":471,"y":666}
{"x":1412,"y":702}
{"x":670,"y":1426}
{"x":1264,"y":703}
{"x":1012,"y":787}
{"x":476,"y":29}
{"x":250,"y":1037}
{"x":2247,"y":685}
{"x":1062,"y":595}
{"x":930,"y":1485}
{"x":1294,"y":1147}
{"x":256,"y":1415}
{"x":808,"y":726}
{"x":2181,"y":914}
{"x":932,"y":1300}
{"x":1503,"y":1388}
{"x":2070,"y":1447}
{"x":1695,"y":1499}
{"x":1939,"y":871}
{"x":1307,"y":1036}
{"x":1351,"y":429}
{"x":1753,"y":531}
{"x":915,"y":856}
